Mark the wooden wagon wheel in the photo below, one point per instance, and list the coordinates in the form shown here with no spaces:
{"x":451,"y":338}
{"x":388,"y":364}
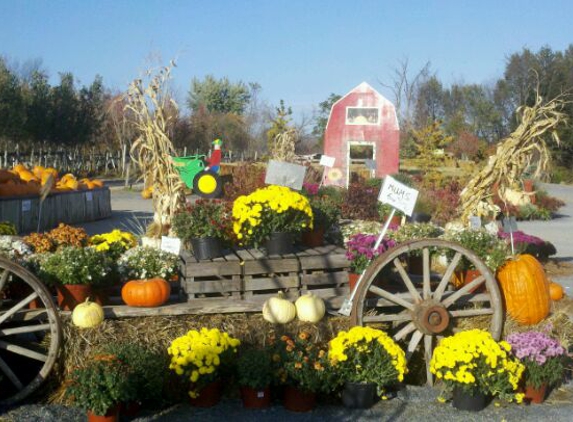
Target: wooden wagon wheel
{"x":426,"y":306}
{"x":29,"y":338}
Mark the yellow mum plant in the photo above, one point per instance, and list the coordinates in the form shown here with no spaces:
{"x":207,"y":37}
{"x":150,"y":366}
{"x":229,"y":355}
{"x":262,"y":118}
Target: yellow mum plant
{"x":115,"y":242}
{"x":202,"y":356}
{"x":269,"y":210}
{"x":365,"y":354}
{"x":473,"y":361}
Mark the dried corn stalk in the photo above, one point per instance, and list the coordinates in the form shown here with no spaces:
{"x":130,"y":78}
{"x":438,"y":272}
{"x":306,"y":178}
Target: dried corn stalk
{"x":152,"y":150}
{"x":284,"y":146}
{"x":526,"y":145}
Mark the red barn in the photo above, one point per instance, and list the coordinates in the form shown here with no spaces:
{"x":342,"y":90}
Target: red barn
{"x":362,"y":118}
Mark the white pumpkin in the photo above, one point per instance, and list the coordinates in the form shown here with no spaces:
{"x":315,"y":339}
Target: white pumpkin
{"x":279,"y":310}
{"x":310,"y":308}
{"x":87,"y":314}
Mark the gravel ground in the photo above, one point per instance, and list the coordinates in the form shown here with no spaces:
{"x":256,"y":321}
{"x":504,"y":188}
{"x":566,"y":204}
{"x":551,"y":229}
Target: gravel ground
{"x":412,"y":404}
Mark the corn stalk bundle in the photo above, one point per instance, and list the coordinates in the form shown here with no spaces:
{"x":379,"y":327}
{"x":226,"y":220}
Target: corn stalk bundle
{"x":283,"y":148}
{"x":152,"y":150}
{"x":527,"y":145}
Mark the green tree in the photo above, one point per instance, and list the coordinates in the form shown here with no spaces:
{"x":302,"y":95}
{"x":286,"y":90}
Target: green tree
{"x":322,"y":117}
{"x":430,"y":142}
{"x":280,"y":123}
{"x":219,"y":95}
{"x":12,"y":105}
{"x":38,"y":108}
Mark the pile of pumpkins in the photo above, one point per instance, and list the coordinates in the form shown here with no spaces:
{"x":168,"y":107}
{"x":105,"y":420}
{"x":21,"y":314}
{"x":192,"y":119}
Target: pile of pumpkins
{"x":21,"y":181}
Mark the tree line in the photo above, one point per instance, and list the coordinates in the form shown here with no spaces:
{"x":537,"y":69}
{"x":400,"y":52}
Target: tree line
{"x":471,"y":118}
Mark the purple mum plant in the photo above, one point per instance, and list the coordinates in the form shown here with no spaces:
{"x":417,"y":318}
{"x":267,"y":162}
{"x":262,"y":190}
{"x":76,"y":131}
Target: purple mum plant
{"x":542,"y":356}
{"x":360,"y":250}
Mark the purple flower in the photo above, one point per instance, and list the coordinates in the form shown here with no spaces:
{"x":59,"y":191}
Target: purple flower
{"x":534,"y":346}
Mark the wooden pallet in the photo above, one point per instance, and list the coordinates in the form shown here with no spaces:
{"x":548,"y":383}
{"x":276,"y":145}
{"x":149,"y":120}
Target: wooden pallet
{"x":246,"y":278}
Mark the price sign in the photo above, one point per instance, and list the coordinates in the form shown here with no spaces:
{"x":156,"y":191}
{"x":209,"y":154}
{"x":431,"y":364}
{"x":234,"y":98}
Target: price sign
{"x":327,"y":161}
{"x":285,"y":174}
{"x":509,"y":225}
{"x":26,"y":205}
{"x":475,"y":222}
{"x":89,"y":196}
{"x":398,"y":195}
{"x":171,"y":244}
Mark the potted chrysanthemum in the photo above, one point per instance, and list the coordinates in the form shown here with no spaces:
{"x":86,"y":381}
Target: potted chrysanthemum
{"x":473,"y":367}
{"x":543,"y":358}
{"x":202,"y":358}
{"x":272,"y":216}
{"x":366,"y":361}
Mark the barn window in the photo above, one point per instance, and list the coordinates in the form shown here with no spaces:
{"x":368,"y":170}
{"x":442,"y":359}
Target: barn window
{"x":362,"y":115}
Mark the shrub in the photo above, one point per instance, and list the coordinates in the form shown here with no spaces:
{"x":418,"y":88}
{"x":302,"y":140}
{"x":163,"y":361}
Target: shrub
{"x":360,"y":202}
{"x":245,"y":178}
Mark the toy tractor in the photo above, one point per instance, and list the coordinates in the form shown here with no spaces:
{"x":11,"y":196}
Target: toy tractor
{"x":205,"y":183}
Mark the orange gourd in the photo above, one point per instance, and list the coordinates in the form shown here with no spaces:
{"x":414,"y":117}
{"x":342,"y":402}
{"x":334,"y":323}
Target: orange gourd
{"x":146,"y":293}
{"x":525,"y":288}
{"x":27,"y":176}
{"x":38,"y":171}
{"x":97,"y":183}
{"x":556,"y":291}
{"x":6,"y":175}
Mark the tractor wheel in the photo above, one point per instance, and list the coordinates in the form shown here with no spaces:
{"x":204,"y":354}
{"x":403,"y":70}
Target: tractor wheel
{"x":207,"y":184}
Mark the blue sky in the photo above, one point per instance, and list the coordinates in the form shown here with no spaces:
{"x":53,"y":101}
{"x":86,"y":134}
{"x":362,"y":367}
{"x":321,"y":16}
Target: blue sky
{"x":299,"y":51}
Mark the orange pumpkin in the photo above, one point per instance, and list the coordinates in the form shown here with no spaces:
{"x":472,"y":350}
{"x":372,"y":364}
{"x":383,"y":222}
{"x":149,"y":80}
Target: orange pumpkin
{"x":38,"y":171}
{"x":146,"y":293}
{"x":97,"y":183}
{"x":525,"y":288}
{"x":28,"y":176}
{"x":6,"y":175}
{"x":556,"y":291}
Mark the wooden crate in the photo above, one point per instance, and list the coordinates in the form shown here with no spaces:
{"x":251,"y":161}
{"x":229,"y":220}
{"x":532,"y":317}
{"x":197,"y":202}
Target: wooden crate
{"x":264,"y":276}
{"x":324,"y":272}
{"x":211,"y":281}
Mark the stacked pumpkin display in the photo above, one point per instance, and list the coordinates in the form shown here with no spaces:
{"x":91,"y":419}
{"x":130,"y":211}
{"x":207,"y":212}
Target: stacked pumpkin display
{"x":21,"y":181}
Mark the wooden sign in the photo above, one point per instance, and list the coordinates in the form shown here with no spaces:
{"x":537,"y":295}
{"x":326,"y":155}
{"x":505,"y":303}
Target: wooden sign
{"x":171,"y":244}
{"x":398,"y":195}
{"x":327,"y":161}
{"x":285,"y":174}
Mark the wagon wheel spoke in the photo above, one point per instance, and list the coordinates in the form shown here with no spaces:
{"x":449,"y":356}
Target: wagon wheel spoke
{"x":414,"y":341}
{"x":392,"y":297}
{"x":427,"y":291}
{"x":11,"y":375}
{"x":18,"y":306}
{"x":407,"y":329}
{"x":464,"y":290}
{"x":26,"y":329}
{"x":447,"y":277}
{"x":387,"y":318}
{"x":471,"y":312}
{"x":407,"y":281}
{"x":428,"y":350}
{"x":3,"y":279}
{"x":23,"y":351}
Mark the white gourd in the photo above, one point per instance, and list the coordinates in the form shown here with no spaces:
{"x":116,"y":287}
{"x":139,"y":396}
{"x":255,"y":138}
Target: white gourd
{"x":310,"y":308}
{"x":279,"y":310}
{"x":87,"y":315}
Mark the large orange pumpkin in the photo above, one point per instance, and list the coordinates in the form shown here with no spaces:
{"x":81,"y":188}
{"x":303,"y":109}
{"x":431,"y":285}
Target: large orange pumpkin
{"x":146,"y":293}
{"x":555,"y":291}
{"x":525,"y":289}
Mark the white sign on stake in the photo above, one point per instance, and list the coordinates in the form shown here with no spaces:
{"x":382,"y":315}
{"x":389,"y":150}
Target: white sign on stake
{"x":285,"y":174}
{"x":398,"y":195}
{"x":475,"y":222}
{"x":171,"y":244}
{"x":327,"y":161}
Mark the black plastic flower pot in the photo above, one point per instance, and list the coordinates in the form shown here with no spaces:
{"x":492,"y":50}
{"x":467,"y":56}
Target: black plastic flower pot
{"x":206,"y":248}
{"x":359,"y":395}
{"x":279,"y":244}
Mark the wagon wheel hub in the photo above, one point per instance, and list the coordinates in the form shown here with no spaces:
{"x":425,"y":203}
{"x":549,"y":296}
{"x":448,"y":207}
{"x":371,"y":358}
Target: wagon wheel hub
{"x":431,"y":317}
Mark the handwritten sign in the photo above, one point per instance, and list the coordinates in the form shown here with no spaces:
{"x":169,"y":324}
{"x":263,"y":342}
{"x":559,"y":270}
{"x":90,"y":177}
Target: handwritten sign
{"x":509,"y":225}
{"x":26,"y":205}
{"x":398,"y":195}
{"x":285,"y":174}
{"x":171,"y":244}
{"x":327,"y":161}
{"x":89,"y":196}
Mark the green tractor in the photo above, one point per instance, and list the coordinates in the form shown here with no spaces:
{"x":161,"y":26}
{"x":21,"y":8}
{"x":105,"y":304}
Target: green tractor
{"x":205,"y":182}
